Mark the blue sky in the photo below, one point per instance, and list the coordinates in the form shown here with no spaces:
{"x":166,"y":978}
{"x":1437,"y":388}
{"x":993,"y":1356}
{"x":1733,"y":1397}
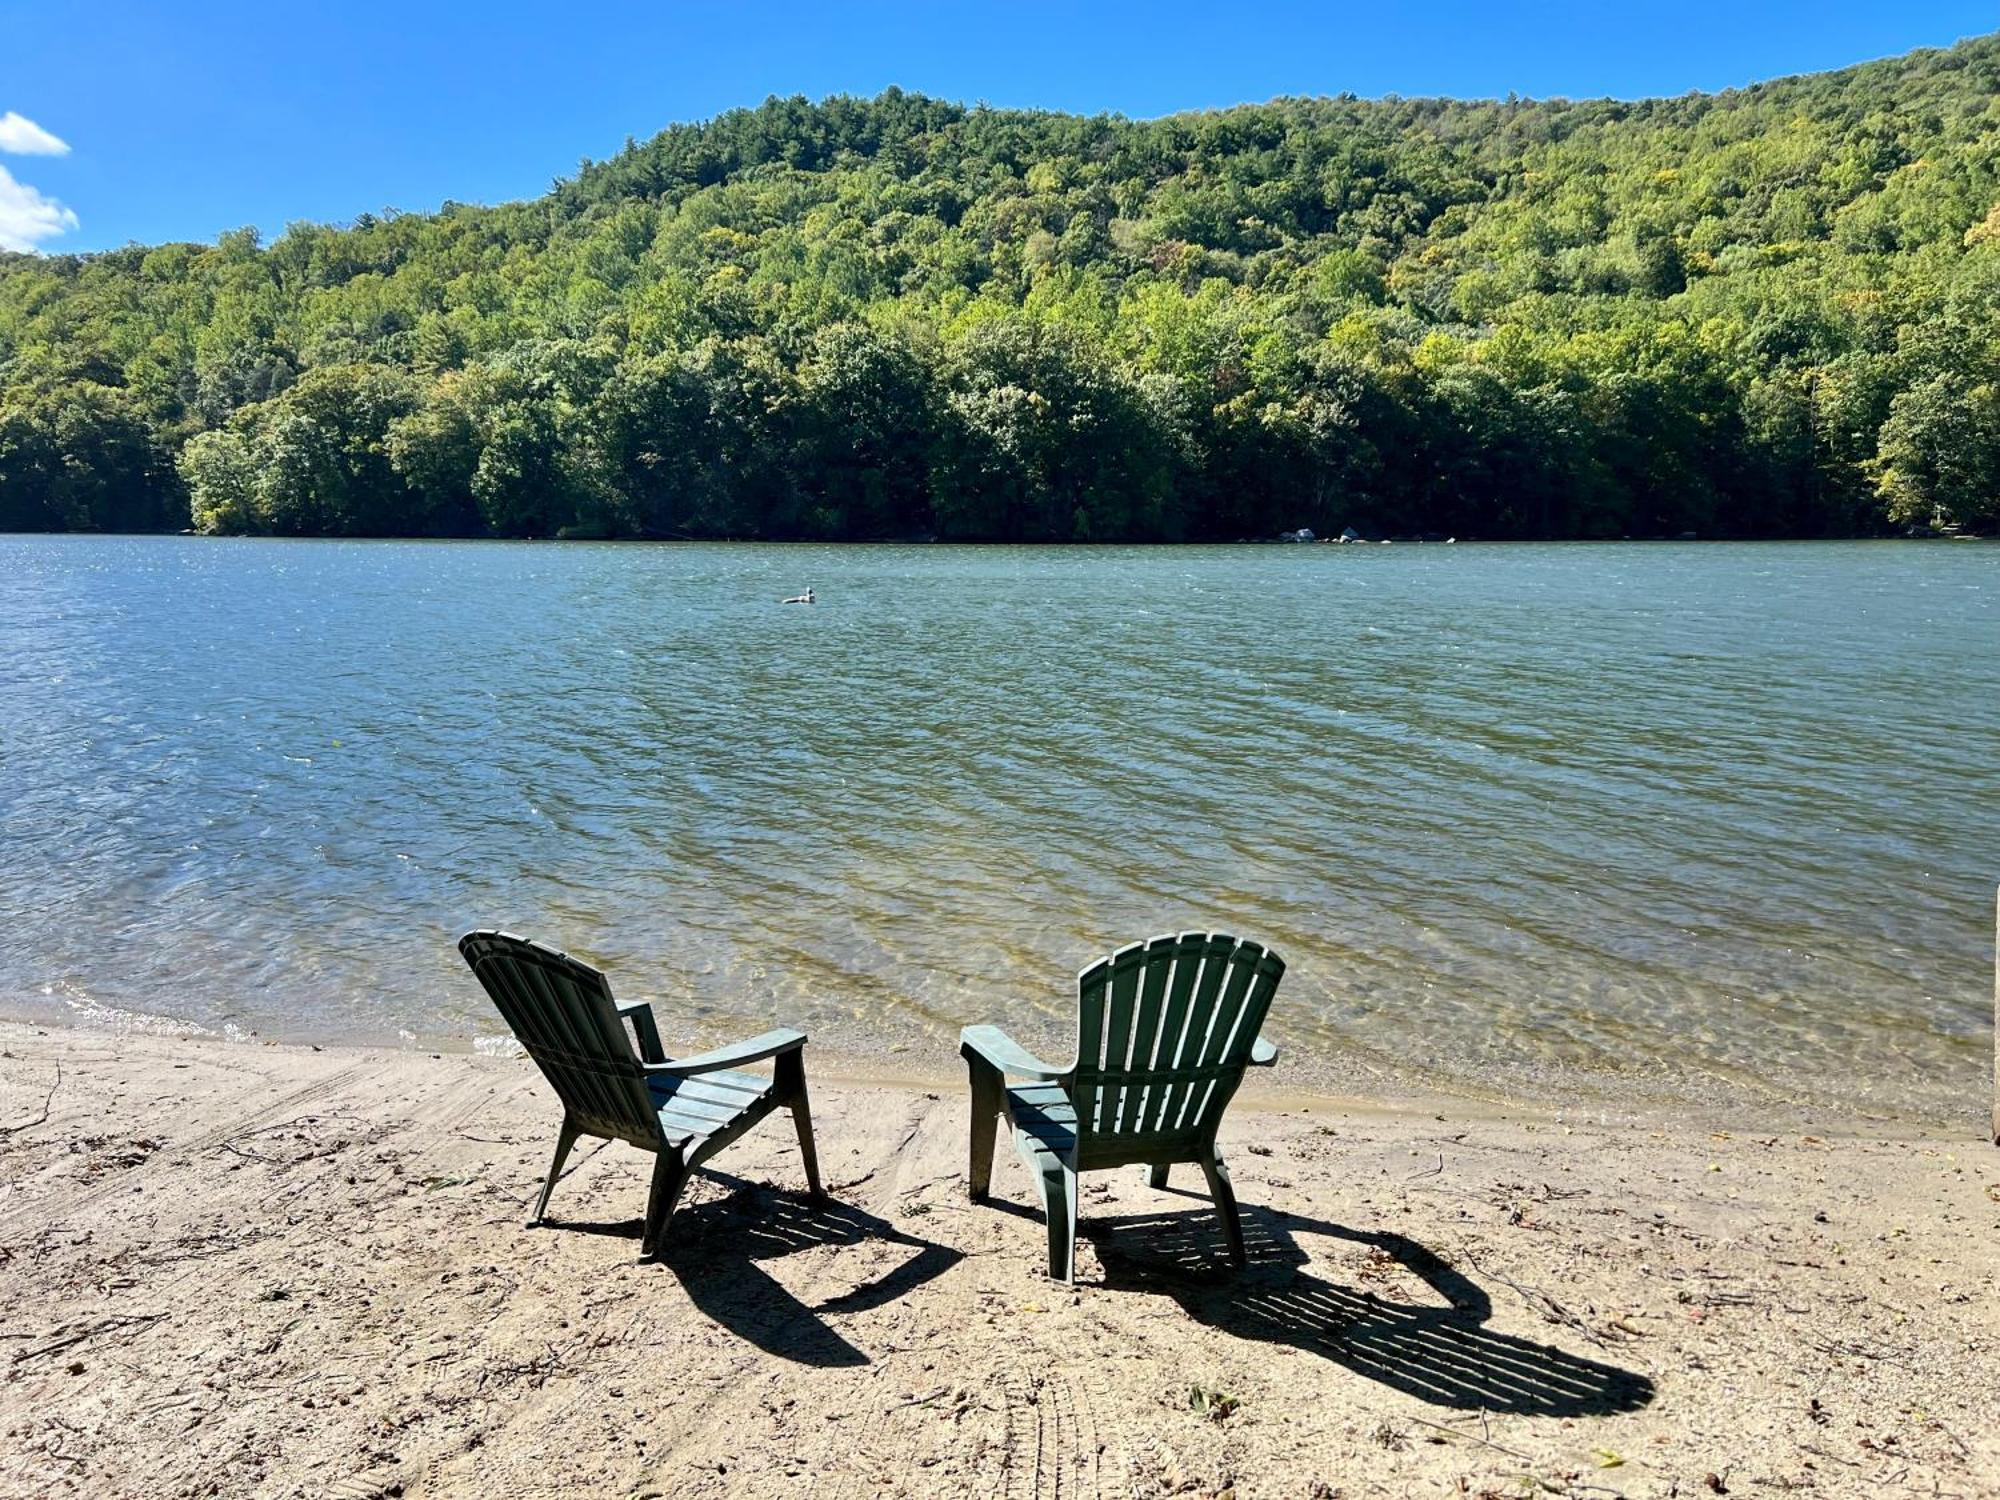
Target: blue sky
{"x":184,"y":120}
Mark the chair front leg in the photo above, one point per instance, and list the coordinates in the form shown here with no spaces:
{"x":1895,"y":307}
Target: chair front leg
{"x":791,"y":1086}
{"x":988,"y":1099}
{"x":1059,"y":1206}
{"x":670,"y":1175}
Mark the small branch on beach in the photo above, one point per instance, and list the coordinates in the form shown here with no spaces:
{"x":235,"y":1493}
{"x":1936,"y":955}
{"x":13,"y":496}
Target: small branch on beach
{"x":1473,"y":1437}
{"x":522,"y":1201}
{"x":895,"y":1151}
{"x":1428,"y":1171}
{"x":235,"y":1150}
{"x":168,"y":1403}
{"x":47,"y":1100}
{"x":130,"y":1321}
{"x":1851,"y":1349}
{"x":1553,"y":1309}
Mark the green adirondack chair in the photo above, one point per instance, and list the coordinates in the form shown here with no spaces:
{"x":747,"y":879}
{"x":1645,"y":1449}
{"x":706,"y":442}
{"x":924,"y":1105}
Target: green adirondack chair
{"x":1165,"y":1029}
{"x":684,"y":1110}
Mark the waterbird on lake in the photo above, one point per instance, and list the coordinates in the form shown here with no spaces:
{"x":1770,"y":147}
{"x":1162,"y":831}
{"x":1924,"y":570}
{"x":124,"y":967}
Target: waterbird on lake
{"x":805,"y":598}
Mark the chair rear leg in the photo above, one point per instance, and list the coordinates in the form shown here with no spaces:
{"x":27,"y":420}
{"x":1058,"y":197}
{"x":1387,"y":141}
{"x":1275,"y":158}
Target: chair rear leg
{"x":564,"y":1142}
{"x":1156,"y":1175}
{"x":1059,"y":1207}
{"x":670,"y":1175}
{"x":987,"y":1102}
{"x":1224,"y":1194}
{"x":791,"y":1078}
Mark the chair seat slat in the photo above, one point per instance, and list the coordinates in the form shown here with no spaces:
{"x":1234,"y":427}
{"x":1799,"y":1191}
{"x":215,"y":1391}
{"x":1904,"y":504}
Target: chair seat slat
{"x":723,"y":1088}
{"x":702,"y":1109}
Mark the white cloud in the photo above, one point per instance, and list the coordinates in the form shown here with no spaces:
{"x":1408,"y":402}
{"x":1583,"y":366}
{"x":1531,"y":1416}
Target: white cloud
{"x":27,"y":217}
{"x":21,"y":136}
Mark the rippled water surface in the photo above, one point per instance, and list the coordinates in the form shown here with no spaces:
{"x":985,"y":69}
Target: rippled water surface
{"x":1707,"y":821}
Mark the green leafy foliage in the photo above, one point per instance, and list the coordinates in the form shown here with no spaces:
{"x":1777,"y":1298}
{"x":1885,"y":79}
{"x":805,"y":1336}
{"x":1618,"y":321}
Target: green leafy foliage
{"x":1773,"y":311}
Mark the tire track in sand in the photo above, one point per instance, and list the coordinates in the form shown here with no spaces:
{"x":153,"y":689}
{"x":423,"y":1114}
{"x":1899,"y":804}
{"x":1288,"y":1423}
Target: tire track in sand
{"x":42,"y":1215}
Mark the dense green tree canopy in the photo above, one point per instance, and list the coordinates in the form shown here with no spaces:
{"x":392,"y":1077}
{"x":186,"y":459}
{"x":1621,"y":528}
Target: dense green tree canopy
{"x":1773,"y":311}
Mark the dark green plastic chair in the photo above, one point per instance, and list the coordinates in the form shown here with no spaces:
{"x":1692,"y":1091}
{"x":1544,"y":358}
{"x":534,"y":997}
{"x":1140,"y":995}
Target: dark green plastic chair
{"x":1165,"y":1029}
{"x":684,"y":1110}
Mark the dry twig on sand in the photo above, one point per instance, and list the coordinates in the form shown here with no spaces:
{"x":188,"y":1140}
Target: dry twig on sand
{"x":1553,"y":1310}
{"x":1473,"y":1437}
{"x":87,"y":1333}
{"x":47,"y":1100}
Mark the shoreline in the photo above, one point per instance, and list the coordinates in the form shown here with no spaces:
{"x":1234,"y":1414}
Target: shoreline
{"x":1352,"y":1075}
{"x":273,"y":1269}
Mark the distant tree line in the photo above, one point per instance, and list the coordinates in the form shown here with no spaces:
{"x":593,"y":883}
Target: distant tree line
{"x":1770,"y":312}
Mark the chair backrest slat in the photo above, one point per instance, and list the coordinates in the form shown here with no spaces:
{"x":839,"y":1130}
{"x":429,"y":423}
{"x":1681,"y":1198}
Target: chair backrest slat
{"x":561,"y":1011}
{"x":1164,"y":1031}
{"x":1223,"y":1040}
{"x":1173,"y":1032}
{"x":1146,"y":1030}
{"x":1117,"y":1056}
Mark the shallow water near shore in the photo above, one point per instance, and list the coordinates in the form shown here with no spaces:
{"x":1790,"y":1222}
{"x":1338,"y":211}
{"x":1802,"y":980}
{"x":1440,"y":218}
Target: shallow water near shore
{"x":1705,"y":822}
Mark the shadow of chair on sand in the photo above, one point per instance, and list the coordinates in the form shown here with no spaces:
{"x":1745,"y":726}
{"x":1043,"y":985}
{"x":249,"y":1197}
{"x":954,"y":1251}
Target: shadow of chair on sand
{"x":714,"y":1249}
{"x":1441,"y":1352}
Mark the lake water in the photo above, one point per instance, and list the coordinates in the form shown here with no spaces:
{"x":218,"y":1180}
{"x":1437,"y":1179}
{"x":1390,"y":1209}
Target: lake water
{"x":1705,"y":822}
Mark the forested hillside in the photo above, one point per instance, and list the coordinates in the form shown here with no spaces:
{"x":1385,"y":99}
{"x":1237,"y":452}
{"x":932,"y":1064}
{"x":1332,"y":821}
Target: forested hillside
{"x":1766,"y":312}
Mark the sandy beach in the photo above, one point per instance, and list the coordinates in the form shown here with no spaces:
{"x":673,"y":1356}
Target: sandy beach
{"x":248,"y":1269}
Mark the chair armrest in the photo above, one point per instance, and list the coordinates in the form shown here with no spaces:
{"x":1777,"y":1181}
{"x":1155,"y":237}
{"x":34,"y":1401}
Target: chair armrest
{"x":735,"y":1055}
{"x":996,"y":1049}
{"x":1262,"y":1053}
{"x":640,"y":1014}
